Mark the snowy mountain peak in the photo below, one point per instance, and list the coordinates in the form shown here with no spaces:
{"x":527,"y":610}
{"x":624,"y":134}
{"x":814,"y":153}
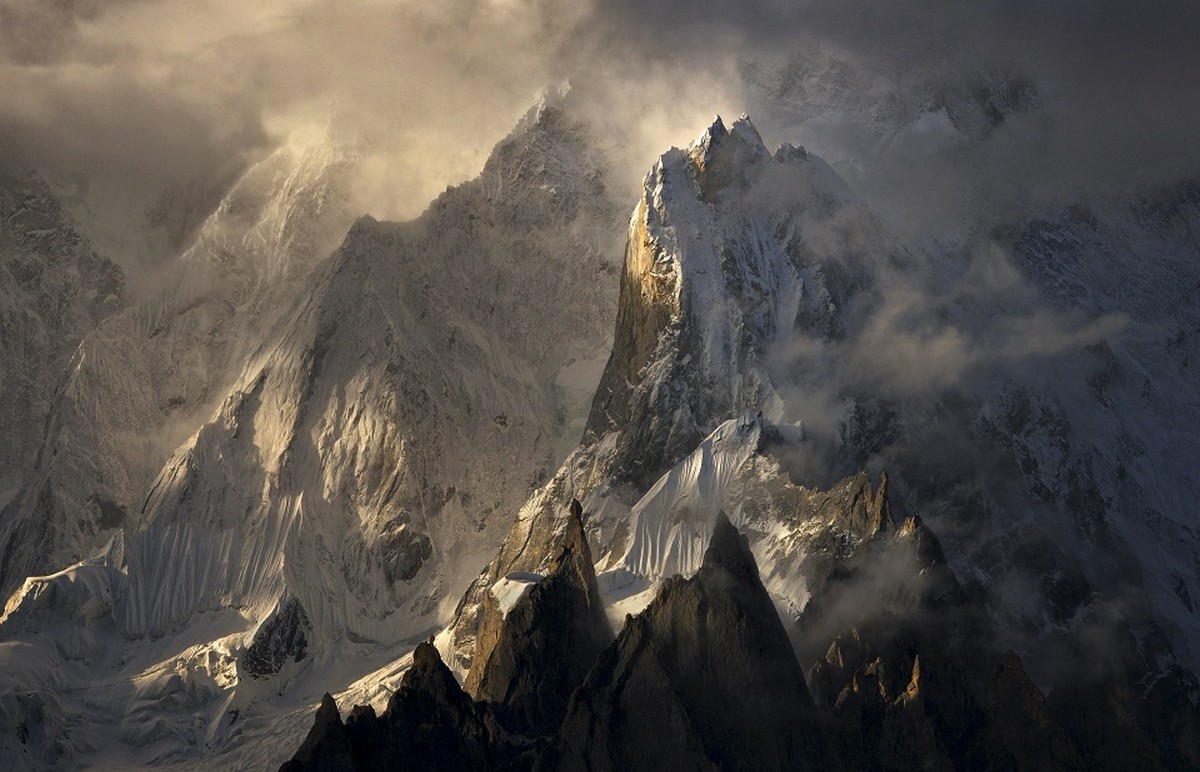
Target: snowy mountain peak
{"x":717,"y":135}
{"x":715,"y":132}
{"x":724,"y":257}
{"x":552,"y":97}
{"x":727,"y":251}
{"x":721,"y":156}
{"x":285,"y":213}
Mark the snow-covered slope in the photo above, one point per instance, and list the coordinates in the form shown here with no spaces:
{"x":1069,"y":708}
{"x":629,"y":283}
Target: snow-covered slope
{"x":345,"y":459}
{"x":1113,"y":444}
{"x":148,"y":377}
{"x":54,"y":289}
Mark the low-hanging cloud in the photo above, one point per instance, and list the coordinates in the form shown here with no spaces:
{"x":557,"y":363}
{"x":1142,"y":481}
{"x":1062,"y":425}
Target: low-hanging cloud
{"x":926,"y":333}
{"x":920,"y":339}
{"x":156,"y":95}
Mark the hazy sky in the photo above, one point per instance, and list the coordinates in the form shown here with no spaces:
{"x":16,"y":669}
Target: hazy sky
{"x":162,"y":93}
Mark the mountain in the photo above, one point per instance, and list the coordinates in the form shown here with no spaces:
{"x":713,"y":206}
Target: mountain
{"x":54,"y":290}
{"x":689,"y":352}
{"x":926,"y":499}
{"x":330,"y":482}
{"x":153,"y":374}
{"x":671,"y":691}
{"x":753,"y":282}
{"x":429,"y":724}
{"x":706,"y":677}
{"x":553,"y":627}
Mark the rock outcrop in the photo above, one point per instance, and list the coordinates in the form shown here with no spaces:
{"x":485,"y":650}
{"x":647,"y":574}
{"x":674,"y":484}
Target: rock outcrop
{"x":283,"y":636}
{"x":547,"y":641}
{"x":906,"y":683}
{"x":1020,"y":725}
{"x":704,"y":678}
{"x":327,"y":746}
{"x":430,"y":723}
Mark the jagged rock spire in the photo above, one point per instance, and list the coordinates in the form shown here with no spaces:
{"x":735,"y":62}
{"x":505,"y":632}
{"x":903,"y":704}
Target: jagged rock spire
{"x":547,"y":641}
{"x":661,"y":695}
{"x":430,"y":723}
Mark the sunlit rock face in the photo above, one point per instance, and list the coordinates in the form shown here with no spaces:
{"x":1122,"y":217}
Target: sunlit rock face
{"x":545,"y":642}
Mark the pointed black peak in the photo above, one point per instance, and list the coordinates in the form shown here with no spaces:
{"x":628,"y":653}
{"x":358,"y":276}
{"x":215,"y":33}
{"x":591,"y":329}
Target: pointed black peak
{"x":328,"y":710}
{"x":927,"y":545}
{"x":327,"y":746}
{"x":705,"y":146}
{"x":574,"y":539}
{"x":729,"y":551}
{"x":426,"y":657}
{"x":725,"y":531}
{"x":716,"y":131}
{"x":429,"y":676}
{"x":661,"y":696}
{"x":1010,"y":661}
{"x":717,"y":138}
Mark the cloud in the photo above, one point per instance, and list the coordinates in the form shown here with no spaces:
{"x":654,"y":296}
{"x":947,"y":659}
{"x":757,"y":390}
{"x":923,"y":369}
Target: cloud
{"x":923,"y":332}
{"x":940,"y":112}
{"x":158,"y":94}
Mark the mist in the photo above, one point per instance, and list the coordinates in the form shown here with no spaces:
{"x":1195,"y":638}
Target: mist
{"x":127,"y":102}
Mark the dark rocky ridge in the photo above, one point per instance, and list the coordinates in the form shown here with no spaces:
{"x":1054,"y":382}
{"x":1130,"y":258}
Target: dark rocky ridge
{"x":704,"y":678}
{"x":903,"y":675}
{"x":430,"y":723}
{"x":903,"y":667}
{"x":543,"y":650}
